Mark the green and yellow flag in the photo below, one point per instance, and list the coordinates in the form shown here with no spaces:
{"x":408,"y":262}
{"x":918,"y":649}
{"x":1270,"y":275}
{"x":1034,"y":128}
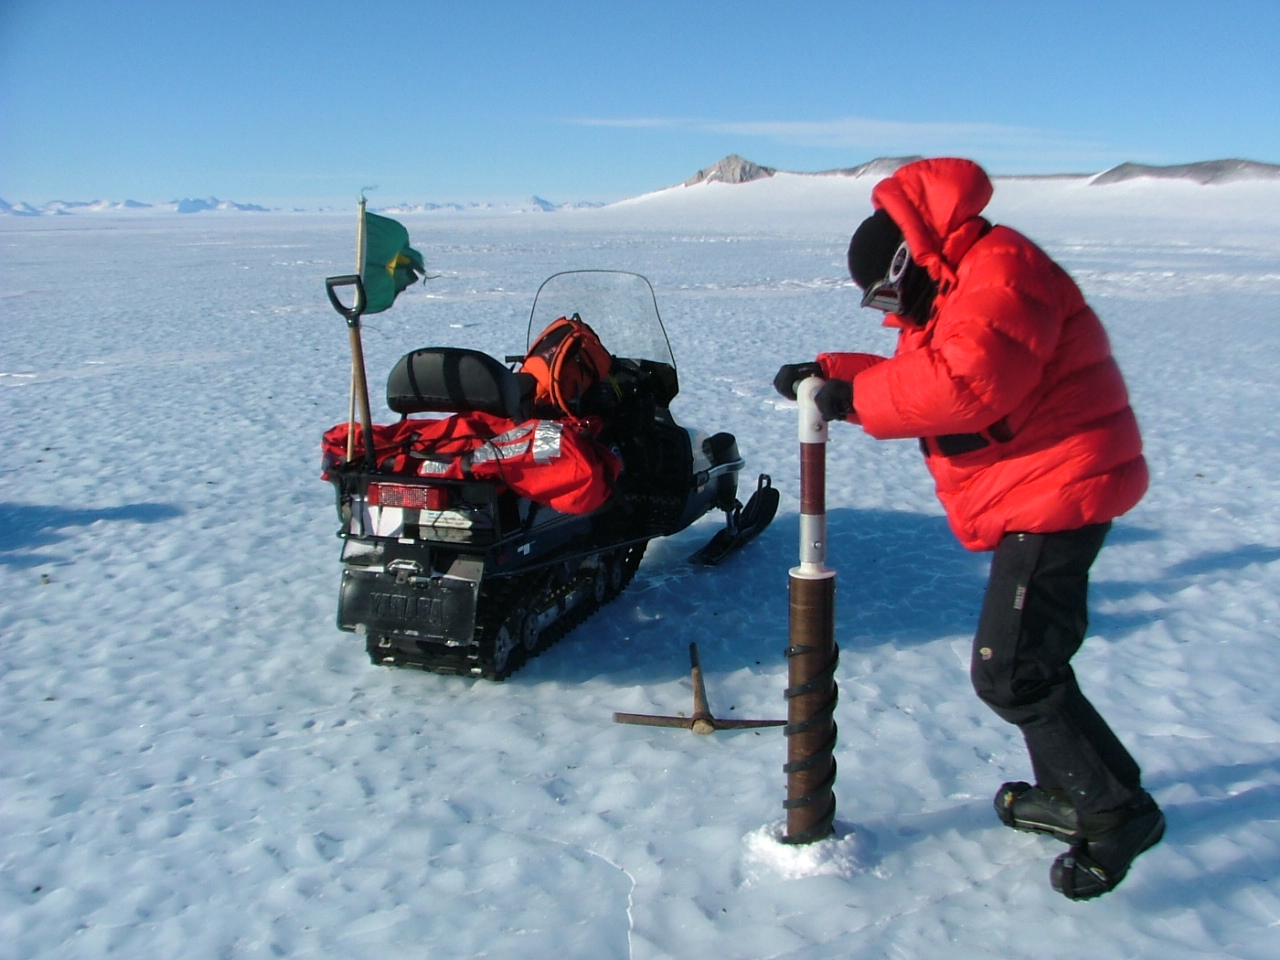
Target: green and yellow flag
{"x":390,"y":264}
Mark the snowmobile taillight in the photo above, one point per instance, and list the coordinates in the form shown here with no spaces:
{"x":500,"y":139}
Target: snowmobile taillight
{"x":407,"y":496}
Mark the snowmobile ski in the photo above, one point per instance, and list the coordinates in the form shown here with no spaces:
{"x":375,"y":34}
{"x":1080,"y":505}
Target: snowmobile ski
{"x":742,"y":525}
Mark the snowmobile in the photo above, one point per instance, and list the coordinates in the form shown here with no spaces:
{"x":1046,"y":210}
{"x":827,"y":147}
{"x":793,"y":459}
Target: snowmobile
{"x":454,"y":570}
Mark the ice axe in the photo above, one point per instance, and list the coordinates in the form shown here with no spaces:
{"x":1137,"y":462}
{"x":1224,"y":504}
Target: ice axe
{"x":359,"y":385}
{"x":702,"y":721}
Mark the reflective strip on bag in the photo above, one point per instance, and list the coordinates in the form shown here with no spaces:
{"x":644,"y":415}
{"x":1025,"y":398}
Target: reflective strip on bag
{"x":507,"y":446}
{"x":546,"y":441}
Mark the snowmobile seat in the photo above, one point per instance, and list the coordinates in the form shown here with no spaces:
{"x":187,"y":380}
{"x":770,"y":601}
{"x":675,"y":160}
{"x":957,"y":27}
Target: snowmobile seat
{"x":456,"y":380}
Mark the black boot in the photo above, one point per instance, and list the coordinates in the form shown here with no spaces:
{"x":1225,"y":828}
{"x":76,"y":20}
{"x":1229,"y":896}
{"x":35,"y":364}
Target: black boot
{"x":1098,"y":862}
{"x":1036,"y":810}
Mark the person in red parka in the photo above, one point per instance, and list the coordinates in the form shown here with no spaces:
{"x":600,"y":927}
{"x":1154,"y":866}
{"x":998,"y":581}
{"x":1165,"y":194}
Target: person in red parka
{"x":1005,"y":375}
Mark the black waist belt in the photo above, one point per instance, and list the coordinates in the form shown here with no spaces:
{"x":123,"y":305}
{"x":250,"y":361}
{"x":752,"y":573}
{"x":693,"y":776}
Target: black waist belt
{"x":957,"y":444}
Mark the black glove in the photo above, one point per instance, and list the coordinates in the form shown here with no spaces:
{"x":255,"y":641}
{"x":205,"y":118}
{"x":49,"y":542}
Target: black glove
{"x":789,"y":374}
{"x":835,"y":400}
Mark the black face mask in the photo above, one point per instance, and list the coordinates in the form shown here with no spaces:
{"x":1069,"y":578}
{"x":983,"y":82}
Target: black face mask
{"x":918,"y":292}
{"x":906,"y":289}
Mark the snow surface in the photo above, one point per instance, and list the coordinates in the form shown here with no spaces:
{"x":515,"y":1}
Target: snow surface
{"x":194,"y":762}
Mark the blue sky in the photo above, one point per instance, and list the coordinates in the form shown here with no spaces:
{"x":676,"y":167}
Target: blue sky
{"x":307,"y":102}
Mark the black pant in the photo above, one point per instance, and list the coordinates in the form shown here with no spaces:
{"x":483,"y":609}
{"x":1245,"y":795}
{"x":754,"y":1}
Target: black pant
{"x":1034,"y":617}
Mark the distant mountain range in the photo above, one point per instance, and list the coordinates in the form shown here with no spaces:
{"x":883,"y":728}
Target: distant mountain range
{"x":733,"y":169}
{"x":736,"y":169}
{"x":535,"y":203}
{"x":1208,"y":171}
{"x":65,"y":207}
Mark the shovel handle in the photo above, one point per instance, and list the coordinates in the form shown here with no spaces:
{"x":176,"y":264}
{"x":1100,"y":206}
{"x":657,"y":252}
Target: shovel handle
{"x":352,"y":313}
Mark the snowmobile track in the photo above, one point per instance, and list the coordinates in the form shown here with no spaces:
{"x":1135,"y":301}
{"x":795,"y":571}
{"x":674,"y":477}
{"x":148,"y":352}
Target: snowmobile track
{"x":507,"y":636}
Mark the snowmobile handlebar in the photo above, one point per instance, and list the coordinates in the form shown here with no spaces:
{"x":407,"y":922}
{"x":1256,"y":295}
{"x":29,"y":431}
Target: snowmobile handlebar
{"x":352,"y":313}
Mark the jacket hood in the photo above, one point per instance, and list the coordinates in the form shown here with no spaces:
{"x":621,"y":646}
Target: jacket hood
{"x":937,"y":204}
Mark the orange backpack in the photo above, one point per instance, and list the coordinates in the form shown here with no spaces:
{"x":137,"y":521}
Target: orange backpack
{"x":566,"y":360}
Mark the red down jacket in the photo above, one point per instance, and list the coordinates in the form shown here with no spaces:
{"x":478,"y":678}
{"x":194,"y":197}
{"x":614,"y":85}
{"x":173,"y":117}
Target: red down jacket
{"x":1011,"y":353}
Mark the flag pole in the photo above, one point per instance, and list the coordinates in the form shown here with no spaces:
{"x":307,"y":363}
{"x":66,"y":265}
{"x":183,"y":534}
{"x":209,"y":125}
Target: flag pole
{"x":355,"y":374}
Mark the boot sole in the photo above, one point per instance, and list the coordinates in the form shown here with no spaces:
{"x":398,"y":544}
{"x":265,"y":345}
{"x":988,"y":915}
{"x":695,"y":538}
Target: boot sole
{"x":1108,"y":883}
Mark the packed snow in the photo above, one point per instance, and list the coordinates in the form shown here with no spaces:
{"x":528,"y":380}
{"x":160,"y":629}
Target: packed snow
{"x":194,"y":761}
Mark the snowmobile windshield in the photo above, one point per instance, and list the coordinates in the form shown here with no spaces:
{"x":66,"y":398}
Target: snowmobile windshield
{"x":619,"y":306}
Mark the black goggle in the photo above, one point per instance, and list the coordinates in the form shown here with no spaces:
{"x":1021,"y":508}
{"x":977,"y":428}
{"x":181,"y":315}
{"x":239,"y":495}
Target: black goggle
{"x":886,"y":294}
